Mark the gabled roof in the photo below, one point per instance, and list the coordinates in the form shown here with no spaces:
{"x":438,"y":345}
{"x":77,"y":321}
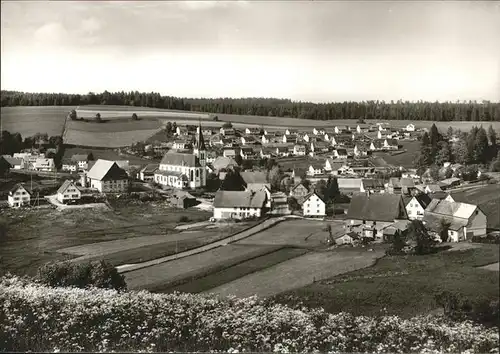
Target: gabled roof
{"x":378,"y":143}
{"x":80,"y":157}
{"x":253,"y":177}
{"x":180,"y":159}
{"x":349,"y":183}
{"x":433,"y":188}
{"x":237,"y":199}
{"x":372,"y":183}
{"x":376,"y":207}
{"x":13,"y":161}
{"x":150,"y":168}
{"x":299,"y":185}
{"x":65,"y":186}
{"x":453,"y":209}
{"x":106,"y":170}
{"x":309,"y":195}
{"x":223,"y":162}
{"x":423,"y":199}
{"x":16,"y":187}
{"x":341,"y":151}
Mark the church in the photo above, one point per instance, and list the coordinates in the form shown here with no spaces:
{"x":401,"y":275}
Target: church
{"x":184,"y":169}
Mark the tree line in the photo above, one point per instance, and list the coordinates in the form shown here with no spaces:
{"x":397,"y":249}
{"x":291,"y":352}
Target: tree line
{"x":476,"y":147}
{"x":273,"y":107}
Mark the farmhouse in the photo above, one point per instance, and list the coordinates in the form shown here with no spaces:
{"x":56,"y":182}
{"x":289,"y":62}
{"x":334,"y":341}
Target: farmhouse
{"x":291,"y":131}
{"x":181,"y":144}
{"x":12,"y":163}
{"x":432,"y":188}
{"x":400,"y":186}
{"x":313,"y":205}
{"x":370,"y":185}
{"x":350,"y":185}
{"x":252,"y":131}
{"x":239,"y":205}
{"x":249,"y":140}
{"x":282,"y":151}
{"x":69,"y":166}
{"x":147,"y":173}
{"x":231,"y":152}
{"x":449,"y":183}
{"x":256,"y":181}
{"x":247,"y":153}
{"x":290,"y":139}
{"x":106,"y":176}
{"x":415,"y":206}
{"x":348,"y":238}
{"x":315,"y":168}
{"x":18,"y":196}
{"x":223,"y":163}
{"x":227,"y":131}
{"x":266,"y":152}
{"x":333,"y":167}
{"x":377,"y":145}
{"x":391,"y":144}
{"x":410,"y":127}
{"x":463,"y":220}
{"x":340,"y":153}
{"x":375,"y":212}
{"x":68,"y":192}
{"x":319,"y":146}
{"x":299,"y":150}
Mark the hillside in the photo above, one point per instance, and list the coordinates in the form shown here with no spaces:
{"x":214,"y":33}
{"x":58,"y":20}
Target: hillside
{"x":103,"y":320}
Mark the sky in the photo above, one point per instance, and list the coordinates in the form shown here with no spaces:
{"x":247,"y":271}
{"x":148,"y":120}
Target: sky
{"x":303,"y":50}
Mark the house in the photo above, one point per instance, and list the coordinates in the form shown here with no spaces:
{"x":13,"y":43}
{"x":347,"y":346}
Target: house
{"x":487,"y":198}
{"x":182,"y":170}
{"x":106,"y":176}
{"x":463,"y":220}
{"x":147,"y":173}
{"x":239,"y":205}
{"x":19,"y":196}
{"x":361,"y":150}
{"x":82,"y":160}
{"x":315,"y":168}
{"x":290,"y":139}
{"x":299,"y":191}
{"x":319,"y":146}
{"x":160,"y":149}
{"x":255,"y":180}
{"x":333,"y":167}
{"x":249,"y":140}
{"x":69,"y":166}
{"x":44,"y":164}
{"x":375,"y":212}
{"x":415,"y":206}
{"x":181,"y":131}
{"x":227,"y":131}
{"x":350,"y":185}
{"x":247,"y":153}
{"x":371,"y":185}
{"x":282,"y":151}
{"x":252,"y":131}
{"x":340,"y":153}
{"x":279,"y":204}
{"x":348,"y":238}
{"x":318,"y":131}
{"x":432,"y":188}
{"x":341,"y":140}
{"x":266,"y":152}
{"x":12,"y":163}
{"x":181,"y":144}
{"x":400,"y":185}
{"x":68,"y":192}
{"x":410,"y":128}
{"x":377,"y":145}
{"x":182,"y":199}
{"x":449,"y":183}
{"x":267,"y":139}
{"x":391,"y":144}
{"x":299,"y":150}
{"x":291,"y":132}
{"x":222,"y":163}
{"x":231,"y":152}
{"x":313,"y":205}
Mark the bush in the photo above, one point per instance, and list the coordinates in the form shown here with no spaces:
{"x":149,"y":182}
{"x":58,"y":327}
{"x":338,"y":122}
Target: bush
{"x":491,"y":239}
{"x":100,"y":274}
{"x":38,"y":318}
{"x":183,"y":218}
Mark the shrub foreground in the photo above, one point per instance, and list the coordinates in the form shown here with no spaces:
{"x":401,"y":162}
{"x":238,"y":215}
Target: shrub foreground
{"x":39,"y":318}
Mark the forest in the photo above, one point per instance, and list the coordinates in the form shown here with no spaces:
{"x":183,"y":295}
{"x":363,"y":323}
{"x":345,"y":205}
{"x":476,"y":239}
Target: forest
{"x":272,"y":107}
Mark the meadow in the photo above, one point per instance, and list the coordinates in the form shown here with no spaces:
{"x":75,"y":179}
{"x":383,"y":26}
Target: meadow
{"x":106,"y":154}
{"x":99,"y":320}
{"x":31,"y":120}
{"x":110,"y":140}
{"x":404,"y":285}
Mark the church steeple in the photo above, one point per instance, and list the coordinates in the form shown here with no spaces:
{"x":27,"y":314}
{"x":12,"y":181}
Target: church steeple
{"x":200,"y":144}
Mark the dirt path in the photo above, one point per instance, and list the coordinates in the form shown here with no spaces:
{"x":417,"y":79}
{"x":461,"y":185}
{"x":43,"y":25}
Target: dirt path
{"x":296,"y":273}
{"x":239,"y":236}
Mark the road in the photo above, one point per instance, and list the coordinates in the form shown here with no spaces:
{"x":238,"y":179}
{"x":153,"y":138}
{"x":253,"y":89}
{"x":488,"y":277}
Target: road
{"x":239,"y":236}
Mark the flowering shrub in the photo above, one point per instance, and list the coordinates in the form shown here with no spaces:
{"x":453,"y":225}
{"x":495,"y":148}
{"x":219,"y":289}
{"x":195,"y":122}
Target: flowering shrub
{"x":38,"y":318}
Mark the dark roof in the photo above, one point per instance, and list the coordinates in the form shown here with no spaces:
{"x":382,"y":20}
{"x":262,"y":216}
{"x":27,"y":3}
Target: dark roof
{"x":12,"y":161}
{"x":253,"y":177}
{"x":308,"y":195}
{"x":372,"y":183}
{"x":376,"y":207}
{"x":180,"y":159}
{"x":423,"y":199}
{"x":150,"y":168}
{"x":80,"y":157}
{"x":200,"y":143}
{"x":237,"y":199}
{"x":17,"y":186}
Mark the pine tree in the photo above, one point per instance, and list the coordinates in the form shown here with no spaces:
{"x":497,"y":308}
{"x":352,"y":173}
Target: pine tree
{"x":480,"y":149}
{"x":492,"y":136}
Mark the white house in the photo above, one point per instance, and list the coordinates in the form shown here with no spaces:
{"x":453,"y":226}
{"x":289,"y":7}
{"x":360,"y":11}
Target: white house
{"x":254,"y":131}
{"x":239,"y":205}
{"x":82,"y":160}
{"x":266,"y":139}
{"x":410,"y":127}
{"x":69,"y":166}
{"x":464,"y":220}
{"x":291,"y":132}
{"x":340,"y":153}
{"x":313,"y":205}
{"x":68,"y":192}
{"x":415,"y":206}
{"x":299,"y":150}
{"x":147,"y":173}
{"x":18,"y":196}
{"x":181,"y":144}
{"x":315,"y":168}
{"x":227,"y":131}
{"x":44,"y":164}
{"x":107,"y":177}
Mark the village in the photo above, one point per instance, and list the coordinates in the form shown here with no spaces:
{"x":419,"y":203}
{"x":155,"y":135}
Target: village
{"x":242,"y":175}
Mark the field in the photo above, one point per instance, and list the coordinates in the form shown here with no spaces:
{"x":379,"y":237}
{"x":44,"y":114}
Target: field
{"x":106,"y":154}
{"x":35,"y":236}
{"x":31,"y":120}
{"x":405,"y":159}
{"x":404,"y":285}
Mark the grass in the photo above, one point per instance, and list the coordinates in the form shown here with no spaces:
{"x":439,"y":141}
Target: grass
{"x":236,"y":271}
{"x":31,"y":120}
{"x":107,"y":139}
{"x":115,"y":125}
{"x":298,"y":272}
{"x":34,"y":236}
{"x":368,"y":291}
{"x":164,"y":275}
{"x":405,"y":159}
